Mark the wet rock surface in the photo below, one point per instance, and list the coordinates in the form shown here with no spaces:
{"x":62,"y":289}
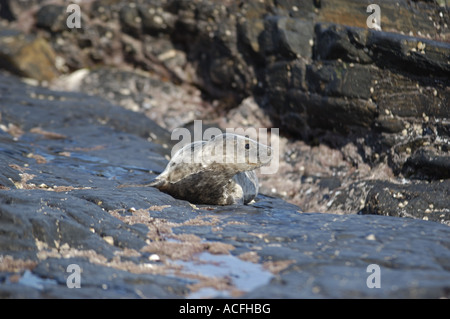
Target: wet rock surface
{"x":67,"y":197}
{"x":364,"y":129}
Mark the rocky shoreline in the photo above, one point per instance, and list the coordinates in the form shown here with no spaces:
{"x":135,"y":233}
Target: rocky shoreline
{"x":364,"y":130}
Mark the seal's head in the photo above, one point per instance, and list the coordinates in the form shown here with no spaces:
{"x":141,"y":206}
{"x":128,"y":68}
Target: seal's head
{"x":226,"y":154}
{"x":236,"y":151}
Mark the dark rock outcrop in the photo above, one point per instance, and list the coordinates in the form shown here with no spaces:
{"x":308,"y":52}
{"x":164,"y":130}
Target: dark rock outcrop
{"x":418,"y":200}
{"x":27,"y":55}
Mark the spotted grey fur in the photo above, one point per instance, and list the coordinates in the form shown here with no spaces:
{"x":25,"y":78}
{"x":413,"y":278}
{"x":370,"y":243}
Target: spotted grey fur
{"x":215,"y":172}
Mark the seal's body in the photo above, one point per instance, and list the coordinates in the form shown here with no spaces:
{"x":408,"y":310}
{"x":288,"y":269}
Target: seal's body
{"x":218,"y":171}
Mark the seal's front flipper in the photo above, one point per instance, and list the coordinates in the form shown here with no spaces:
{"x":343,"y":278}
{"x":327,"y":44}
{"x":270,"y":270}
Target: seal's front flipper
{"x":156,"y":183}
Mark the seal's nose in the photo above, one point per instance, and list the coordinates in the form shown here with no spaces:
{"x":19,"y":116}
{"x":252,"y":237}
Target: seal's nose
{"x":265,"y":151}
{"x":265,"y":154}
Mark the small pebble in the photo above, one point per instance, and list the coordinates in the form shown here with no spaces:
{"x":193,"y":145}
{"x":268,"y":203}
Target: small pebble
{"x":109,"y":240}
{"x":154,"y":257}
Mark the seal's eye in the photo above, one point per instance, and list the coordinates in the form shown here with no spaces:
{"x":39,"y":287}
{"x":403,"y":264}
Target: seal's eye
{"x":247,"y":146}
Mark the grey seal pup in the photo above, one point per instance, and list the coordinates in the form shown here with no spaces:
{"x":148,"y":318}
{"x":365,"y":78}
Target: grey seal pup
{"x":215,"y":172}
